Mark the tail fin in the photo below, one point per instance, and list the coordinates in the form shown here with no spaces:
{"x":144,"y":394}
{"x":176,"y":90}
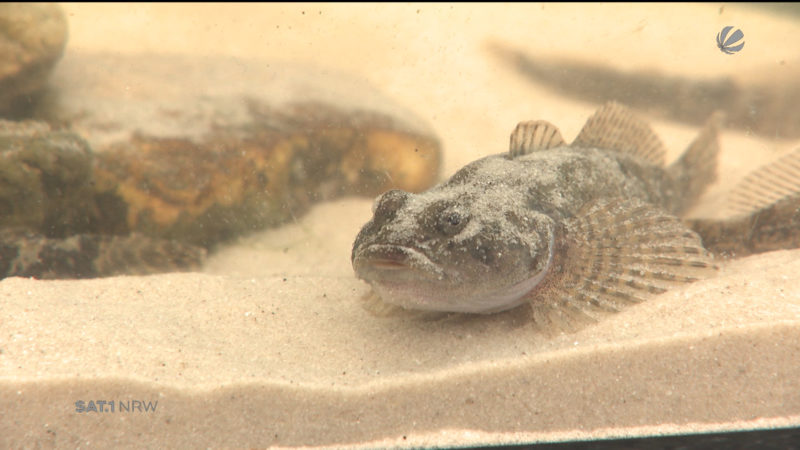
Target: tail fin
{"x":696,"y":169}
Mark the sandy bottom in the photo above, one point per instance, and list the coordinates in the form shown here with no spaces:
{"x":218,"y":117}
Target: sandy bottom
{"x":270,"y":345}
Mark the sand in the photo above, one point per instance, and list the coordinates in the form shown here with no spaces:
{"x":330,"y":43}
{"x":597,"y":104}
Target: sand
{"x":269,"y":344}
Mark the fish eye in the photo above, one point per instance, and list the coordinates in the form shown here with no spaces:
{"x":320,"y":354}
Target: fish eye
{"x":451,"y":222}
{"x":453,"y":219}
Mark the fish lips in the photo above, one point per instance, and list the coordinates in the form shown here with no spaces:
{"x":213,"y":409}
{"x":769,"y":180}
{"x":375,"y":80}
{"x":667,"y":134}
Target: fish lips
{"x":395,"y":263}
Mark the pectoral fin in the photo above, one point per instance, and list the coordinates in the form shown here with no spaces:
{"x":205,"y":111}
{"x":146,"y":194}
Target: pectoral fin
{"x":619,"y":253}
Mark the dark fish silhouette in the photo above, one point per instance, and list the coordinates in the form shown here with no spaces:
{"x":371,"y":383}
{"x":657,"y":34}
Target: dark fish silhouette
{"x":767,"y":106}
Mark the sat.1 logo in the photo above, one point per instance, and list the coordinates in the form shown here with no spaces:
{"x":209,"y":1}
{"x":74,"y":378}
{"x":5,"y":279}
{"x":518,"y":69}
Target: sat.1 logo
{"x":730,"y":44}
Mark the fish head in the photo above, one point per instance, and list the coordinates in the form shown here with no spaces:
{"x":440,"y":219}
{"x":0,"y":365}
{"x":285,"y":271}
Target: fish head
{"x":454,"y":250}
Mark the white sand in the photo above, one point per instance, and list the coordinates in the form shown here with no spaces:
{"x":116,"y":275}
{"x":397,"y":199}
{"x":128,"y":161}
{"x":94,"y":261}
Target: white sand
{"x":270,"y":345}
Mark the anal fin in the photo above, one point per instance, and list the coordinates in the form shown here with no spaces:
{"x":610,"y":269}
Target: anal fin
{"x":619,"y":253}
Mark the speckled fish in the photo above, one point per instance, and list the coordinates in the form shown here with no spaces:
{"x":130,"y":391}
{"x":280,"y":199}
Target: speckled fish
{"x":573,"y":230}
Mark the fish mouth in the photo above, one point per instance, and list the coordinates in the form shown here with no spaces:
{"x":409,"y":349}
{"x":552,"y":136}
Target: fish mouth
{"x":395,"y":263}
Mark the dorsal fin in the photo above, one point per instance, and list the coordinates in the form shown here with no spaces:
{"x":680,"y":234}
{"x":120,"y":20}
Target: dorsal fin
{"x":533,"y":136}
{"x":614,"y":127}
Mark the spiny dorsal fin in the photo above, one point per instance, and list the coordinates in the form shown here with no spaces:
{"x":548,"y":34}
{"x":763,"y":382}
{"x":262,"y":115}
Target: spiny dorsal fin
{"x":620,"y":252}
{"x":533,"y":136}
{"x":767,"y":185}
{"x":614,"y":127}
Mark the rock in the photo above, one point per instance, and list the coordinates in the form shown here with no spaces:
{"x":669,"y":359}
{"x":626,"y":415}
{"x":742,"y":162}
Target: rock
{"x":53,"y":221}
{"x":202,"y":149}
{"x":191,"y":152}
{"x":45,"y":179}
{"x":32,"y":39}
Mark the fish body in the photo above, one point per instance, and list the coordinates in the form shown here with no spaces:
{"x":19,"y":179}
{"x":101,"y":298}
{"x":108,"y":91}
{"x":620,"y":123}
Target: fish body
{"x":568,"y":229}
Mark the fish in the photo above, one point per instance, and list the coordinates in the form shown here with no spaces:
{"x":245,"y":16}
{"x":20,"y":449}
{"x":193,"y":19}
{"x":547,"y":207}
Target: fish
{"x":761,"y":102}
{"x":763,"y":210}
{"x":573,"y":231}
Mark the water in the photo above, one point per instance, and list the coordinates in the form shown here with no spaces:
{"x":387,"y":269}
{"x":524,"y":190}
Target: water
{"x":269,"y":338}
